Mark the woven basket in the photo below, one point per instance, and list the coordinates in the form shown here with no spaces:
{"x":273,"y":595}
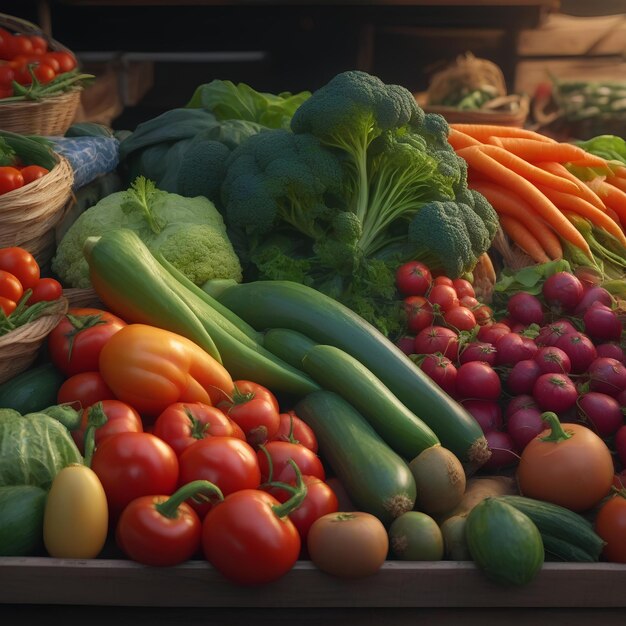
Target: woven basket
{"x":20,"y":347}
{"x":49,"y":117}
{"x":80,"y":298}
{"x":29,"y":214}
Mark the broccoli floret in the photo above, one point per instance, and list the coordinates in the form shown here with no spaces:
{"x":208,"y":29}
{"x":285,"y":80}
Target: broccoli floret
{"x":276,"y":177}
{"x":482,"y":207}
{"x":202,"y":169}
{"x":441,"y":238}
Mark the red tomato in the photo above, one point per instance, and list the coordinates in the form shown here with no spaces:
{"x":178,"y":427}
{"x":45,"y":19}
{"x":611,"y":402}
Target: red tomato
{"x":248,"y":390}
{"x":33,"y":172}
{"x":19,"y":45}
{"x":434,"y":339}
{"x":130,"y":465}
{"x":49,"y":59}
{"x":10,"y":287}
{"x":5,"y":92}
{"x":21,"y":263}
{"x":8,"y":306}
{"x":40,"y":45}
{"x":5,"y":43}
{"x":247,"y":540}
{"x":296,"y":430}
{"x":280,"y":453}
{"x":84,"y":389}
{"x":76,"y":341}
{"x":413,"y":279}
{"x":444,"y":297}
{"x":419,"y":313}
{"x":10,"y":178}
{"x":67,"y":61}
{"x":121,"y":417}
{"x":483,"y":314}
{"x":227,"y":462}
{"x":7,"y":74}
{"x":459,"y":318}
{"x":46,"y":290}
{"x":463,"y":287}
{"x":443,"y":280}
{"x":610,"y":524}
{"x":155,"y":530}
{"x":257,"y":417}
{"x":44,"y":73}
{"x":320,"y":499}
{"x":183,"y":423}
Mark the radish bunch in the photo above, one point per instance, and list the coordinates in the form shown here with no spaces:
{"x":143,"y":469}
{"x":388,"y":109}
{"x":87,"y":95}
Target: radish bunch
{"x":561,"y":351}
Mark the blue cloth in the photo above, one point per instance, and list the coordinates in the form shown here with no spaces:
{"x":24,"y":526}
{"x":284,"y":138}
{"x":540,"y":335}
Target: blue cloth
{"x":89,"y":157}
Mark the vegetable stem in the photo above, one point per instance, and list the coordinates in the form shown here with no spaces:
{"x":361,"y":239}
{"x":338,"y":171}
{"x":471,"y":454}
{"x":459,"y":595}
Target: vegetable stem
{"x":557,"y":432}
{"x":196,"y":489}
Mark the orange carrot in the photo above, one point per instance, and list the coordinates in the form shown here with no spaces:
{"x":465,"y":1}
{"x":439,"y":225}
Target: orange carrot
{"x":523,"y":238}
{"x":533,"y":150}
{"x":620,"y":171}
{"x":576,"y":204}
{"x":458,"y":139}
{"x":483,"y":162}
{"x":585,"y":191}
{"x":482,"y":132}
{"x":616,"y":181}
{"x":506,"y":202}
{"x":614,"y":198}
{"x":530,"y":172}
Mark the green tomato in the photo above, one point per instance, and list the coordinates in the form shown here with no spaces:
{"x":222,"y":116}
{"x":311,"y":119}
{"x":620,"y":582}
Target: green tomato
{"x":415,"y":536}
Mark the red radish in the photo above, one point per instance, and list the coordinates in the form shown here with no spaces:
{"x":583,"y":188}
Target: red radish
{"x":437,"y":339}
{"x":601,"y":411}
{"x":555,"y":392}
{"x":487,"y":413}
{"x":469,"y":301}
{"x":551,"y":333}
{"x":512,"y":348}
{"x":483,"y":314}
{"x":612,"y":350}
{"x":522,"y":401}
{"x":580,"y":350}
{"x":620,"y":445}
{"x":477,"y":379}
{"x":601,"y":323}
{"x":607,"y":375}
{"x":419,"y":313}
{"x":522,"y":377}
{"x":621,"y":398}
{"x":490,"y":333}
{"x":406,"y":343}
{"x":525,"y":308}
{"x":503,"y":452}
{"x":441,"y":370}
{"x":562,"y":292}
{"x":525,"y":425}
{"x":591,"y":296}
{"x":478,"y":351}
{"x":553,"y":359}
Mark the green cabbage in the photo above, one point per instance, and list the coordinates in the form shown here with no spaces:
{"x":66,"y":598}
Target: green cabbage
{"x":33,"y":449}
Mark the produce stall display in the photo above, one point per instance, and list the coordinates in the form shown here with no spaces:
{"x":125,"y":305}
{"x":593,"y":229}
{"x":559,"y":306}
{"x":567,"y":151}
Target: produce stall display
{"x":324,"y":334}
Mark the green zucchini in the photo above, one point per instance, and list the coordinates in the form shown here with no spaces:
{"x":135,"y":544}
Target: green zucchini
{"x":504,"y":542}
{"x":287,"y":304}
{"x":558,"y":549}
{"x":135,"y":286}
{"x":33,"y":390}
{"x":557,"y":521}
{"x":377,"y":479}
{"x":289,"y":345}
{"x":335,"y":370}
{"x":21,"y":519}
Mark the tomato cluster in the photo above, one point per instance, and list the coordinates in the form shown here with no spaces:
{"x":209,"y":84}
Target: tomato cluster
{"x":21,"y":54}
{"x":16,"y":175}
{"x":20,"y":277}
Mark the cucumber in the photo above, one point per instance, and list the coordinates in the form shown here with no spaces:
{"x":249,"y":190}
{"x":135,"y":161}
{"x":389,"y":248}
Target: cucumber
{"x":335,"y":370}
{"x":377,"y":479}
{"x":33,"y":390}
{"x":556,"y":521}
{"x":558,"y":549}
{"x":285,"y":304}
{"x":504,"y":542}
{"x":288,"y":345}
{"x":21,"y":519}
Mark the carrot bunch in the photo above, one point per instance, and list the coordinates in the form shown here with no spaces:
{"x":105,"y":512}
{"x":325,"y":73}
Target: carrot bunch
{"x":539,"y":201}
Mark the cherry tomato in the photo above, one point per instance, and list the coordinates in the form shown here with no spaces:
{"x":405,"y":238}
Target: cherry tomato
{"x":5,"y":92}
{"x":49,"y":59}
{"x":44,"y":73}
{"x":46,"y":290}
{"x":419,"y":313}
{"x":7,"y":75}
{"x":247,"y":540}
{"x":10,"y":178}
{"x":296,"y":430}
{"x":413,"y":279}
{"x":5,"y":43}
{"x":610,"y":524}
{"x":121,"y":417}
{"x":67,"y":61}
{"x":40,"y":45}
{"x":443,"y":296}
{"x":443,"y":280}
{"x":227,"y":462}
{"x":463,"y":287}
{"x":19,"y":45}
{"x":459,"y":318}
{"x":10,"y":287}
{"x":22,"y":264}
{"x":33,"y":172}
{"x":183,"y":423}
{"x":130,"y":465}
{"x":84,"y":389}
{"x":8,"y":306}
{"x":75,"y":342}
{"x":280,"y":452}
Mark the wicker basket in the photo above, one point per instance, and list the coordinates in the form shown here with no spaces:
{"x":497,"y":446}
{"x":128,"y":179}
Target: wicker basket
{"x":29,"y":214}
{"x":80,"y":298}
{"x":49,"y":117}
{"x":20,"y":347}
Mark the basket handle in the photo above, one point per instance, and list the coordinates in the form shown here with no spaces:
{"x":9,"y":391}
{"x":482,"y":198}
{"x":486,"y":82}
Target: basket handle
{"x":24,"y":27}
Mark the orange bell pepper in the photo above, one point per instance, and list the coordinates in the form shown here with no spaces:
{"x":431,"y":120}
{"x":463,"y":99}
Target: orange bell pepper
{"x":151,"y":368}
